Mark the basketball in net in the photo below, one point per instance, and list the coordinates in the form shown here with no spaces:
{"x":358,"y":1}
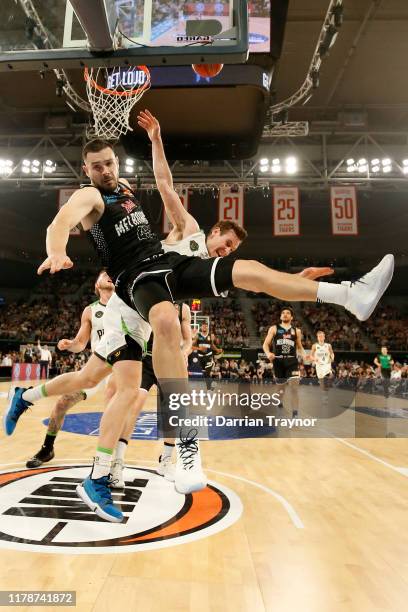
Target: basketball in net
{"x":207,"y":70}
{"x":112,"y":93}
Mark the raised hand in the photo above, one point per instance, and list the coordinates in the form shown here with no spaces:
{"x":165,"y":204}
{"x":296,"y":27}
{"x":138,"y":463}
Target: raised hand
{"x":149,"y":123}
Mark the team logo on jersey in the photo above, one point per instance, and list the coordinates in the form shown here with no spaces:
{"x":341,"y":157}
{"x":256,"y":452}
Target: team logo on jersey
{"x":40,"y":512}
{"x":194,"y":245}
{"x":99,"y":314}
{"x":128,"y":205}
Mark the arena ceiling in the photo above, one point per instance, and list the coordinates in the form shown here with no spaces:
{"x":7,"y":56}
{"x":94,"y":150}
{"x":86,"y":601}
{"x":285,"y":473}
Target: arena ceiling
{"x":365,"y":71}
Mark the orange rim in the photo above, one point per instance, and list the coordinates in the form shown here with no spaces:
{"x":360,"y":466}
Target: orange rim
{"x":112,"y":92}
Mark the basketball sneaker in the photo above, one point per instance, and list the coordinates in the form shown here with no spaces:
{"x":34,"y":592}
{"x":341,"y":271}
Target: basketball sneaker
{"x":166,"y":468}
{"x":96,"y":494}
{"x":117,"y":481}
{"x":365,"y":293}
{"x":189,"y":475}
{"x":16,"y":407}
{"x":43,"y":456}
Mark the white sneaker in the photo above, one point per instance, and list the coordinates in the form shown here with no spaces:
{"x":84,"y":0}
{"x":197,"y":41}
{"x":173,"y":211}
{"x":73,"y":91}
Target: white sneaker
{"x":365,"y":293}
{"x":117,"y":481}
{"x":166,"y":468}
{"x":189,"y":475}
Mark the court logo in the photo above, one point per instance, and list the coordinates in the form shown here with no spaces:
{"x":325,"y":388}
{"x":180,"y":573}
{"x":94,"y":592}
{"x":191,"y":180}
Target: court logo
{"x":41,"y":512}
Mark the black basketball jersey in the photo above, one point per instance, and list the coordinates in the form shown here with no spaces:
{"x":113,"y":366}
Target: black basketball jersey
{"x":123,"y":236}
{"x":284,"y":342}
{"x":205,"y":343}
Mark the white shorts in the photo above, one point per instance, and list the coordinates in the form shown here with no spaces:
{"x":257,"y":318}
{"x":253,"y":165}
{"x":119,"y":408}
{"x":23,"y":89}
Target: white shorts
{"x":119,"y":321}
{"x":323,"y":370}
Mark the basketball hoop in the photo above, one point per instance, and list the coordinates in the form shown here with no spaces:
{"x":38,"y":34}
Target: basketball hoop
{"x":112,"y":93}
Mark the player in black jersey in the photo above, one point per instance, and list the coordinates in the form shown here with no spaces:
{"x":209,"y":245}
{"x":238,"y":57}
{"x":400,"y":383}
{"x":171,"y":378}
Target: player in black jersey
{"x":282,"y":345}
{"x":205,"y":347}
{"x":149,"y":281}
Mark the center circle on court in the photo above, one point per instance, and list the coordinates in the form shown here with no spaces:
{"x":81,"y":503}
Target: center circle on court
{"x":40,"y":512}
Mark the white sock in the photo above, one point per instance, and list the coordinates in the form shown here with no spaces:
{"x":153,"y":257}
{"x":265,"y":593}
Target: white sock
{"x":35,"y":394}
{"x":102,"y":463}
{"x":332,"y":293}
{"x":121,"y":449}
{"x":167,"y":451}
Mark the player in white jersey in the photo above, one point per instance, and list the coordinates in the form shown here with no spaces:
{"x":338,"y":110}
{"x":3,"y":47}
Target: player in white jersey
{"x":91,"y":329}
{"x":322,"y":355}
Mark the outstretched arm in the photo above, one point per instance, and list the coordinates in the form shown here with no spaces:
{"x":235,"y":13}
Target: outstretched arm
{"x":80,"y":204}
{"x":181,"y":220}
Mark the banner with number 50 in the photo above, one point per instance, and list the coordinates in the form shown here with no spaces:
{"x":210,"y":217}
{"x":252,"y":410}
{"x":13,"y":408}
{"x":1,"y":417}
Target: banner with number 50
{"x":231,"y":205}
{"x":286,"y":214}
{"x":344,"y":211}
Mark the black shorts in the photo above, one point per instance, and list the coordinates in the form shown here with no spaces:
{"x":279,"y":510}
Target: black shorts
{"x":148,"y":376}
{"x":285,"y":369}
{"x":206,"y":362}
{"x":173,"y":277}
{"x":132,"y":351}
{"x":386,"y":372}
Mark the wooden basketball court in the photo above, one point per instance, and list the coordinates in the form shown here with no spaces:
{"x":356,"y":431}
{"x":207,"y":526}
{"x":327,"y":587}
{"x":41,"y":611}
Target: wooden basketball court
{"x":323,"y":527}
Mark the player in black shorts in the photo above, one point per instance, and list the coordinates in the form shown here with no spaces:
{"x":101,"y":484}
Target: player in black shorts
{"x":205,"y":347}
{"x":149,"y":281}
{"x":282,"y":345}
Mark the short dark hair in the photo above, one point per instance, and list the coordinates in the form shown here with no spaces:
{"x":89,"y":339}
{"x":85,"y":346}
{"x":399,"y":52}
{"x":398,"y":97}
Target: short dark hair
{"x":96,"y":145}
{"x":320,"y":331}
{"x":288,"y":308}
{"x":226,"y":226}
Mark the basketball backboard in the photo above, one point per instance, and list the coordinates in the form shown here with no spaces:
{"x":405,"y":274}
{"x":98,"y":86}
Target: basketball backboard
{"x":40,"y":34}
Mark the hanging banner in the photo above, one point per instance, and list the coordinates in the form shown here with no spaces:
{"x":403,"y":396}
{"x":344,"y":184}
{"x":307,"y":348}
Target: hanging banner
{"x":63,"y":197}
{"x":344,"y":211}
{"x":182,"y":191}
{"x":231,"y":204}
{"x":286,"y":213}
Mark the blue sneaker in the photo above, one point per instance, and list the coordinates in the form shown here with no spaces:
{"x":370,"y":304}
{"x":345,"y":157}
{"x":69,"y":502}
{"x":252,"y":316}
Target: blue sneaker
{"x":97,"y":496}
{"x":16,"y":407}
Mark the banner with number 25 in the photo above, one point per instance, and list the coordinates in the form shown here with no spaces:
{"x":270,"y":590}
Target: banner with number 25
{"x":286,"y":214}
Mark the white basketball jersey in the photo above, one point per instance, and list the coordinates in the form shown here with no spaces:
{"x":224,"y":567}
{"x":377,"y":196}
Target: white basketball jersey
{"x":322,"y":354}
{"x":194,"y":246}
{"x":97,"y":331}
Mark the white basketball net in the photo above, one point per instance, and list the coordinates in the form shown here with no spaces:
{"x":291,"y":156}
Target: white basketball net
{"x":112,"y":93}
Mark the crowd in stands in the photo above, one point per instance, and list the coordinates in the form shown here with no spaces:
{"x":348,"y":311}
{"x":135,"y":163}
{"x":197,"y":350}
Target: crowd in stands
{"x":262,"y":371}
{"x":342,"y":330}
{"x":388,"y":327}
{"x":227,"y":322}
{"x":61,"y":362}
{"x":49,"y":319}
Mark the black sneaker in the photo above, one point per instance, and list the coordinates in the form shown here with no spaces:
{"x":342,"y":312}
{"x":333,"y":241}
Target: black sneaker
{"x":294,"y":414}
{"x":43,"y":456}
